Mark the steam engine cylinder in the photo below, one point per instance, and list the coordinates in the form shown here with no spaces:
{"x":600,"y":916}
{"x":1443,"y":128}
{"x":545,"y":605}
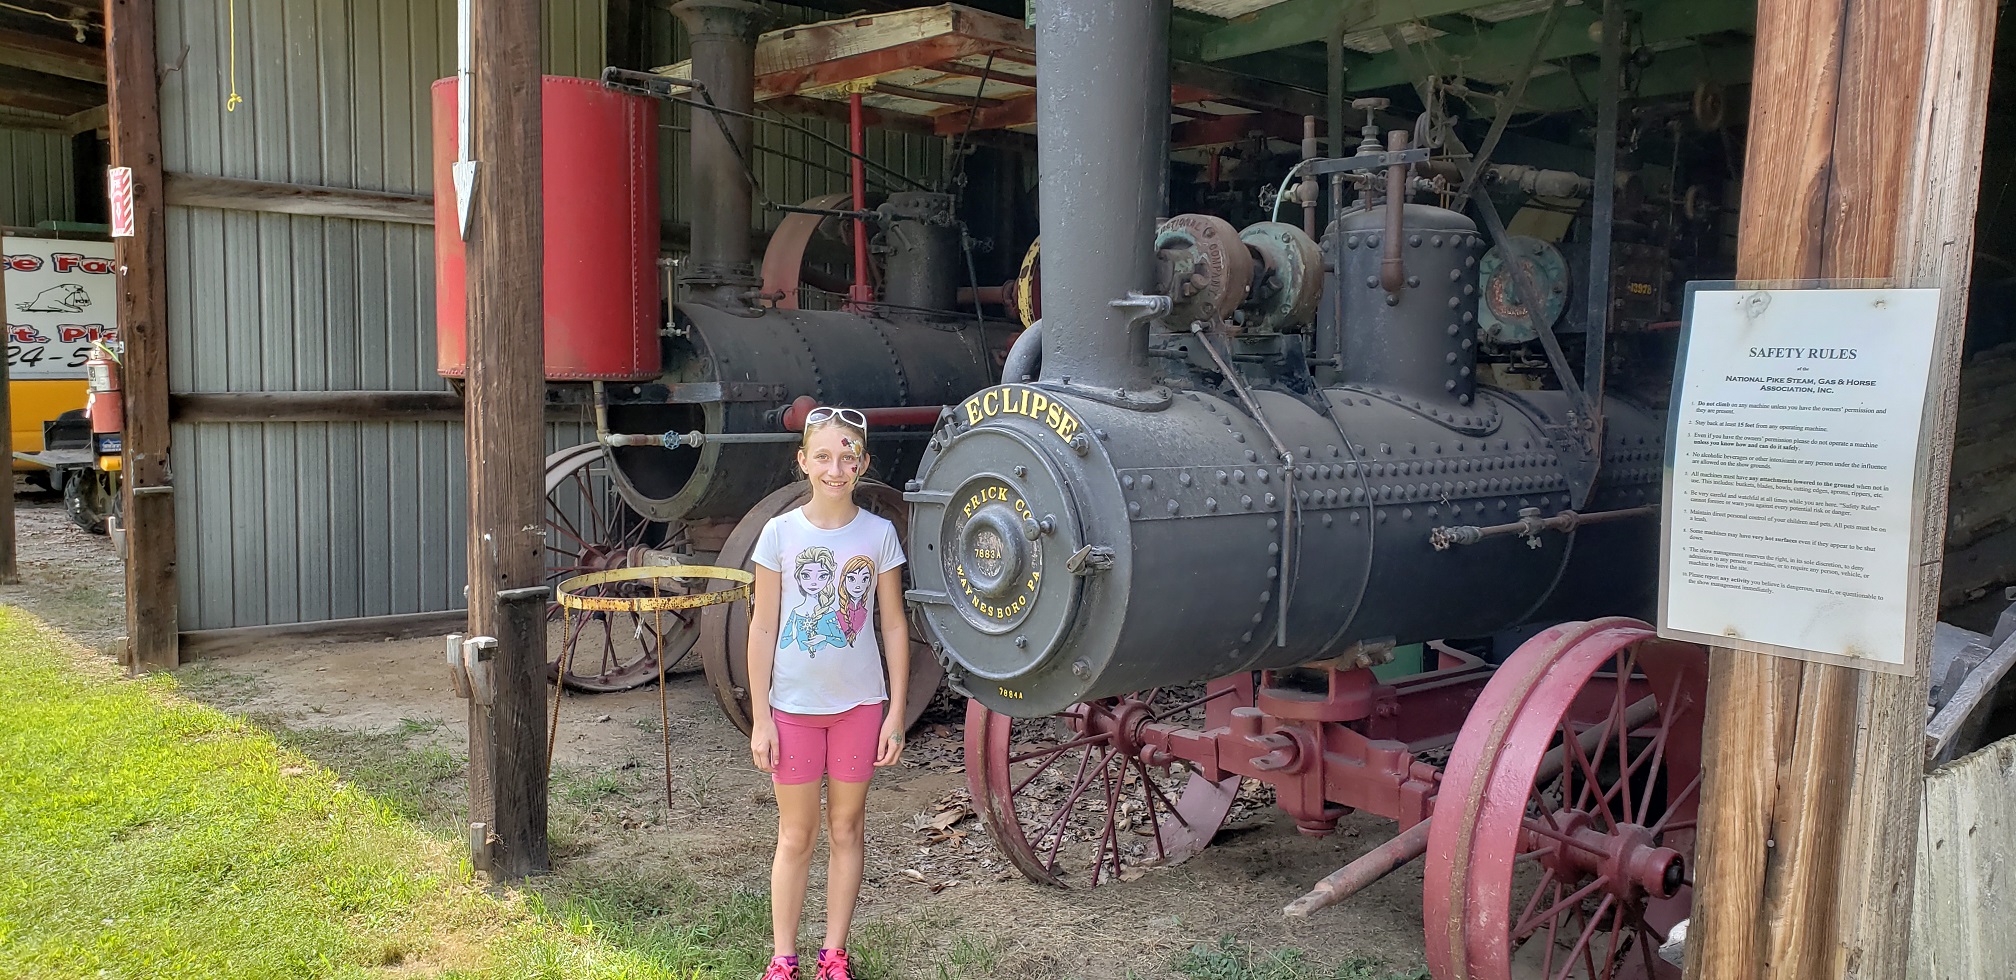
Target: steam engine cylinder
{"x":1071,"y":545}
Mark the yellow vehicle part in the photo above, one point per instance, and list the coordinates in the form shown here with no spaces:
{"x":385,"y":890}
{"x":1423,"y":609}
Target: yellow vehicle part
{"x":34,"y":402}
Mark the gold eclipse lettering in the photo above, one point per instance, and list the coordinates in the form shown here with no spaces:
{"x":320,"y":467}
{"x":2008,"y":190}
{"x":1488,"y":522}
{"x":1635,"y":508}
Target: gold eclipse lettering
{"x":1028,"y":402}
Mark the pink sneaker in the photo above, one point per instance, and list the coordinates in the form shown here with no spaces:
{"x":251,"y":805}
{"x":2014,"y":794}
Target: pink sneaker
{"x":833,"y":965}
{"x":782,"y":968}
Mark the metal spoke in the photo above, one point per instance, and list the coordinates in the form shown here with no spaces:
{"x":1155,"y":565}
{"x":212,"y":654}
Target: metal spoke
{"x":1673,"y":805}
{"x":1589,"y":931}
{"x":1553,"y":911}
{"x":1659,"y":749}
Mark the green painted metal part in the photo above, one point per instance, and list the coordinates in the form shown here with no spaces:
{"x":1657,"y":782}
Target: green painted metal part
{"x":1495,"y":52}
{"x":1295,"y":21}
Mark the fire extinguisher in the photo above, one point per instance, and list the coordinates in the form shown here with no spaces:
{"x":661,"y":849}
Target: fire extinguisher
{"x":104,"y":405}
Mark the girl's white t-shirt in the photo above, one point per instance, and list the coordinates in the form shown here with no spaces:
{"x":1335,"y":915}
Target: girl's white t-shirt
{"x":827,"y":657}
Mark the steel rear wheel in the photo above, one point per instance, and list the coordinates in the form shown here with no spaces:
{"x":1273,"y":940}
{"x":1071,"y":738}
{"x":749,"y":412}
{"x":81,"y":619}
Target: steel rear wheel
{"x":1563,"y":836}
{"x":590,"y":529}
{"x":1077,"y":800}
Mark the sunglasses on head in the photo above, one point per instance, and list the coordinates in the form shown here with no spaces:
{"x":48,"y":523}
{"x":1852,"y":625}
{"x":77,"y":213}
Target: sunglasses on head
{"x":820,"y":416}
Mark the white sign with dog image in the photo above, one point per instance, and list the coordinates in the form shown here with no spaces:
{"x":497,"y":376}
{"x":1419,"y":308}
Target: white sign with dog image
{"x":62,"y":295}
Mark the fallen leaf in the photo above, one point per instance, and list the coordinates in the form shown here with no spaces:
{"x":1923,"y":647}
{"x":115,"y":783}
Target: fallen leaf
{"x":914,"y":875}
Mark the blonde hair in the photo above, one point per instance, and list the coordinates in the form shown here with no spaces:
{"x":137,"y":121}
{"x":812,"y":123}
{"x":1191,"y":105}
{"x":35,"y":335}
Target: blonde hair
{"x":829,"y":596}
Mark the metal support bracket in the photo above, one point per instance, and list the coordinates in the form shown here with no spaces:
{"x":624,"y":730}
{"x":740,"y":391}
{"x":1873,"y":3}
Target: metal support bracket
{"x":458,"y":673}
{"x":479,"y":658}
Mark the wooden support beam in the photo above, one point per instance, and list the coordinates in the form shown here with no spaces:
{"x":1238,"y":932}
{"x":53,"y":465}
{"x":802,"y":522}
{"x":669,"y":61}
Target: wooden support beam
{"x":336,"y":406}
{"x":1864,"y":161}
{"x":152,"y":592}
{"x":66,"y":59}
{"x":19,"y":98}
{"x":317,"y":406}
{"x":506,"y":438}
{"x":1296,"y":21}
{"x":234,"y":641}
{"x":1246,"y":89}
{"x":91,"y":119}
{"x":9,"y":572}
{"x":197,"y":191}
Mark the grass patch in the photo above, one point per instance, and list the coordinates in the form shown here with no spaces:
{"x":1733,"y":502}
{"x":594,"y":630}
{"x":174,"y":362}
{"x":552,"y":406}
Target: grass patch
{"x":1230,"y":959}
{"x":145,"y":836}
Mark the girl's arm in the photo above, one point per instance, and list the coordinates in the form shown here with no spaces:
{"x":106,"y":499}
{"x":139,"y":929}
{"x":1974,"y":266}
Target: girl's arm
{"x":762,"y":660}
{"x":896,"y":653}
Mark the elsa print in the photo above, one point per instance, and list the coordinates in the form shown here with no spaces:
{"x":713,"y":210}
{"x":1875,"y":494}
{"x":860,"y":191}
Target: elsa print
{"x":812,"y":623}
{"x":857,"y":582}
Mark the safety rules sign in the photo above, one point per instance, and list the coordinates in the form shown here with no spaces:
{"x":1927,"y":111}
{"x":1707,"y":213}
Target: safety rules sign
{"x":1792,"y":517}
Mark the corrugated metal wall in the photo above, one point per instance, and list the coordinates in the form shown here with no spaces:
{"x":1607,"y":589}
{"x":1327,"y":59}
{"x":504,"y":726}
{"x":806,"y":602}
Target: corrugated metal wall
{"x":291,"y":522}
{"x":37,"y":184}
{"x":294,"y":522}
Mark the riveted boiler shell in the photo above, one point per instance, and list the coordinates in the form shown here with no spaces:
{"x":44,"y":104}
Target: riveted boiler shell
{"x":1192,"y":500}
{"x":762,"y":363}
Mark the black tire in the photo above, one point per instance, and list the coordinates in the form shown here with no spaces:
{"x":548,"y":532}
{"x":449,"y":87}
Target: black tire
{"x":89,"y":496}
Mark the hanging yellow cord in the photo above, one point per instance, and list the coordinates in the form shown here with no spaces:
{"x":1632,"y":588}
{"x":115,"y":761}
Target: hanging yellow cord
{"x":231,"y":18}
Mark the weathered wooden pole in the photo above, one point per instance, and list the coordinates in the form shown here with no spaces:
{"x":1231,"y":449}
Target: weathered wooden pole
{"x":9,"y":573}
{"x":1864,"y":162}
{"x":505,"y":425}
{"x":152,"y":600}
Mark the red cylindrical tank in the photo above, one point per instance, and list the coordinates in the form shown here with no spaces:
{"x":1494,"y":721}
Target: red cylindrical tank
{"x":600,"y":176}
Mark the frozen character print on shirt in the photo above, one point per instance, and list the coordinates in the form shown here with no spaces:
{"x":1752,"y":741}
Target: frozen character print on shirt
{"x":857,"y":582}
{"x":814,"y":624}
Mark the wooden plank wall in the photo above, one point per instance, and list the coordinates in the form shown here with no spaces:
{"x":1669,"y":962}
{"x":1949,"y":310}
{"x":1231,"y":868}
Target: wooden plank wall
{"x":1965,"y":897}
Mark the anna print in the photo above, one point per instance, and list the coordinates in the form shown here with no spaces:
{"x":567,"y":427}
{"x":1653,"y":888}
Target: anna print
{"x":857,"y":583}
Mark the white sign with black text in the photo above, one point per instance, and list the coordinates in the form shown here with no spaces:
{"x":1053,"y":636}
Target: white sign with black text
{"x":1790,"y":516}
{"x":62,"y":296}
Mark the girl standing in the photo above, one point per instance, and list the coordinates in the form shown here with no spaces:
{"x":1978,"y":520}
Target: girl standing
{"x":817,"y":689}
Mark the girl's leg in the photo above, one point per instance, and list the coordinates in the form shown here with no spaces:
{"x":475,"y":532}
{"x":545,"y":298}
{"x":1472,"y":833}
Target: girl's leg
{"x":850,"y":761}
{"x":801,"y":751}
{"x":846,"y":808}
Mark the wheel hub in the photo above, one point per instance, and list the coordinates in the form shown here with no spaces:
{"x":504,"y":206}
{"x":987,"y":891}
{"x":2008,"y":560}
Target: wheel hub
{"x":1628,"y":856}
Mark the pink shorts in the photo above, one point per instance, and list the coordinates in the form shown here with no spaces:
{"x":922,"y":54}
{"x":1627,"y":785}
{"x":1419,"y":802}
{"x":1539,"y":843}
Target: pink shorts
{"x":809,"y":746}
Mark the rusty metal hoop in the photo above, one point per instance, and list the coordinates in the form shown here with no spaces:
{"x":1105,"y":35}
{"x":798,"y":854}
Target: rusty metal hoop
{"x":1564,"y":831}
{"x":568,"y":592}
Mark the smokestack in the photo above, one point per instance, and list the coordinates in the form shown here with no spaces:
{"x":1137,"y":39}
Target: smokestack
{"x":720,"y":266}
{"x":1102,"y":121}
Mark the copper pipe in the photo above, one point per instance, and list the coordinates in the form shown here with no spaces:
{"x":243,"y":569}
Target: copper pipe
{"x":990,"y":295}
{"x":861,"y":292}
{"x":1392,"y":271}
{"x":794,"y":416}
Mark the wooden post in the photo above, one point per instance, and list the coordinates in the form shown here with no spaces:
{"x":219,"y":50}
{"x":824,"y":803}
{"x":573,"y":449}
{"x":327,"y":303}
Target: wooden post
{"x":9,"y":573}
{"x":505,"y":427}
{"x":1864,"y":161}
{"x":152,"y":599}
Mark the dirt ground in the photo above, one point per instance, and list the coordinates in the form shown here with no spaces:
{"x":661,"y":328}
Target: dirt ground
{"x":953,"y":902}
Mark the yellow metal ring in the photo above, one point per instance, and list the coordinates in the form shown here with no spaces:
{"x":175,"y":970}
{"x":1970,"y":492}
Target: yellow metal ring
{"x":567,"y":591}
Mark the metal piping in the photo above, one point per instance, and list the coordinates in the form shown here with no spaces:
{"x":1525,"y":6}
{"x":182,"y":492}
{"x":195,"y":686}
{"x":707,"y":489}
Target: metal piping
{"x":1102,"y":111}
{"x":1392,"y":270}
{"x":721,"y":265}
{"x":1025,"y":356}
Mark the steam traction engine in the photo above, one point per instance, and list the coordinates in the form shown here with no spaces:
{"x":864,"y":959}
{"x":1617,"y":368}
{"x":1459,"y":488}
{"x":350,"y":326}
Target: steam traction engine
{"x":695,"y":408}
{"x":1250,"y":467}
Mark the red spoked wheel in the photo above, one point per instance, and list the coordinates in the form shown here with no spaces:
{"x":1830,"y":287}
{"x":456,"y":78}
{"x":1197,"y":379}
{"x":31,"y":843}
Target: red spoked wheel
{"x":1078,"y":799}
{"x":590,"y":529}
{"x":1563,"y":836}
